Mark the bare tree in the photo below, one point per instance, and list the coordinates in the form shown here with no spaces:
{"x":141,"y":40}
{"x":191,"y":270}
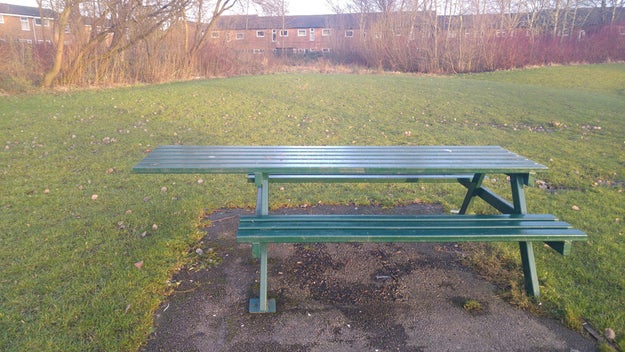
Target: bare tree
{"x":102,"y":30}
{"x":205,"y":16}
{"x":59,"y":39}
{"x":273,"y":7}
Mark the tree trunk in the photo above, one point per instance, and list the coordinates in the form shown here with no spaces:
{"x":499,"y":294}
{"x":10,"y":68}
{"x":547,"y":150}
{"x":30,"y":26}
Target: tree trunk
{"x":54,"y":71}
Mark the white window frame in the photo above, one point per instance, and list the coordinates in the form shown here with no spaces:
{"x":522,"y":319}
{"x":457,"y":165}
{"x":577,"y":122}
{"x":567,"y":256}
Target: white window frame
{"x":325,"y":32}
{"x":239,"y":36}
{"x":260,"y":34}
{"x":39,"y":21}
{"x":349,"y":33}
{"x":284,"y":33}
{"x":301,"y":32}
{"x":1,"y":19}
{"x":215,"y":35}
{"x":25,"y":23}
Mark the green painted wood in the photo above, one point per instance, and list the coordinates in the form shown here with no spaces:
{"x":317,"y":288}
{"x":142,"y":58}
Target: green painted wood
{"x":386,"y":228}
{"x":521,"y":228}
{"x":563,"y":247}
{"x":472,"y":187}
{"x":277,"y":178}
{"x":530,"y":275}
{"x":336,"y":160}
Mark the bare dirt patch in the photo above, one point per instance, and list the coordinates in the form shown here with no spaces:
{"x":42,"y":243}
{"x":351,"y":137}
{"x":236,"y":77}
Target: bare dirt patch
{"x":346,"y":297}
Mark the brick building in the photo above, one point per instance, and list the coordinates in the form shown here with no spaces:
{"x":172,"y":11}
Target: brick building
{"x":25,"y":24}
{"x":303,"y":35}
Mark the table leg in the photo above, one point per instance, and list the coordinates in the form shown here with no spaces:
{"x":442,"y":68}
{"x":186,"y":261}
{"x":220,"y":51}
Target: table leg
{"x":518,"y":195}
{"x":262,"y":202}
{"x":262,"y":304}
{"x":262,"y":197}
{"x":530,"y":273}
{"x":472,"y":189}
{"x":259,"y":250}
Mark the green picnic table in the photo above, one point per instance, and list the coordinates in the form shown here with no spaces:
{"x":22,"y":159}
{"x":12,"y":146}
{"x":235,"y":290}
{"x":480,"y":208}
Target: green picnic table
{"x":467,"y":165}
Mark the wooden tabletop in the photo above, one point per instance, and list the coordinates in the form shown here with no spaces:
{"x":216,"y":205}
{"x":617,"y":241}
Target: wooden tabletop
{"x":335,"y":160}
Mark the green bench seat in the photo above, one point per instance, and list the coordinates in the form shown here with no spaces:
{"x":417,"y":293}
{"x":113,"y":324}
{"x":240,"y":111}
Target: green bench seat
{"x":261,"y":230}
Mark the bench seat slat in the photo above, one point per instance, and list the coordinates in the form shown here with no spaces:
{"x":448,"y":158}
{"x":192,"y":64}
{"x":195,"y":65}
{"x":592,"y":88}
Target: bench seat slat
{"x":381,"y":228}
{"x":338,"y":236}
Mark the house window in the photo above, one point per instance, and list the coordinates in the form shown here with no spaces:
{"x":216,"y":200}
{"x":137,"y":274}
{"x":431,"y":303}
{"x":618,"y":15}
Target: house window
{"x":1,"y":19}
{"x":325,"y":32}
{"x":258,"y":51}
{"x":228,"y":37}
{"x":312,"y":35}
{"x":301,"y":32}
{"x":25,"y":23}
{"x":349,"y":33}
{"x":621,"y":31}
{"x":214,"y":35}
{"x":274,"y":35}
{"x":260,"y":34}
{"x":284,"y":33}
{"x":39,"y":21}
{"x":325,"y":50}
{"x":239,"y":36}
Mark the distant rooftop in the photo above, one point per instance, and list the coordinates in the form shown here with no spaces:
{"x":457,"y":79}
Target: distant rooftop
{"x":25,"y":11}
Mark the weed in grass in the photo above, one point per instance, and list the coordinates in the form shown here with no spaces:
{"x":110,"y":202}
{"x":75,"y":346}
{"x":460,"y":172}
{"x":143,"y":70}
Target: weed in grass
{"x":572,"y":319}
{"x":472,"y":306}
{"x":605,"y":347}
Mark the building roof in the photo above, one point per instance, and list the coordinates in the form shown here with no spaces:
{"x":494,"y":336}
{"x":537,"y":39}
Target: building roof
{"x":24,"y":11}
{"x":247,"y":22}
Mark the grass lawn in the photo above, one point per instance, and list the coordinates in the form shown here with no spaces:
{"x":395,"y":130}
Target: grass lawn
{"x":87,"y":248}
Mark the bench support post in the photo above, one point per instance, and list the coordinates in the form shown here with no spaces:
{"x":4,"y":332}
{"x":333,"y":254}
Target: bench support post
{"x":262,"y":304}
{"x":262,"y":202}
{"x":472,"y":189}
{"x":529,"y":269}
{"x":262,"y":198}
{"x":518,"y":195}
{"x":530,"y":275}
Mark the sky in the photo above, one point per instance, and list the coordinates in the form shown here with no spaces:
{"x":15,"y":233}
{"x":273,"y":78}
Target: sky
{"x":309,"y":7}
{"x":296,"y":7}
